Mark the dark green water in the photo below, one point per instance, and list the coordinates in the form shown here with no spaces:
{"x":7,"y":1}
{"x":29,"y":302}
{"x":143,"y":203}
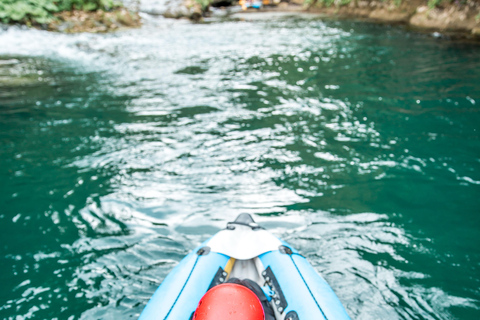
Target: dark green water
{"x":358,"y":144}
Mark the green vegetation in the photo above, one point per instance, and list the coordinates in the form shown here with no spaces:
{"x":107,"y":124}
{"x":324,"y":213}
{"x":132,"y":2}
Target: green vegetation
{"x":397,"y":3}
{"x":204,"y":3}
{"x":41,"y":11}
{"x":339,"y":3}
{"x":433,"y":3}
{"x":326,"y":3}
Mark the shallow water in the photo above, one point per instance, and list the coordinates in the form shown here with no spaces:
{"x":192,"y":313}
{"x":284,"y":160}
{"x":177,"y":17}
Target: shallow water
{"x":356,"y":143}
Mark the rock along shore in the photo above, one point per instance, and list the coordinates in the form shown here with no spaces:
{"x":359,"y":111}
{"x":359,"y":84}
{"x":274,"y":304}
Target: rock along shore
{"x":94,"y":21}
{"x":447,"y":17}
{"x":461,"y":17}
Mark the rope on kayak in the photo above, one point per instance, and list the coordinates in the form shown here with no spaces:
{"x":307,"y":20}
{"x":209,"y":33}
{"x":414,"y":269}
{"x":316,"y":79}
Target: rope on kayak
{"x":180,"y":293}
{"x":306,"y":284}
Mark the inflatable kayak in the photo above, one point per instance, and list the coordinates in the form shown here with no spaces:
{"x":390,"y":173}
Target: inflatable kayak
{"x":244,"y":250}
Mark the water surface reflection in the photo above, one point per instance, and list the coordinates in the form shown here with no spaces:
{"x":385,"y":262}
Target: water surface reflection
{"x":356,"y":143}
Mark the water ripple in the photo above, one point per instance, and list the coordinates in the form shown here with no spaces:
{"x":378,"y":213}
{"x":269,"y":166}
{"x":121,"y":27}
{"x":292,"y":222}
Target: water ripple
{"x":356,"y":143}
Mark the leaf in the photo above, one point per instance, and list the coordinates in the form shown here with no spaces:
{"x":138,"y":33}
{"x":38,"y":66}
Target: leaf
{"x":107,"y":4}
{"x":43,"y":19}
{"x":19,"y":10}
{"x":52,"y":7}
{"x":89,"y":6}
{"x":17,"y":15}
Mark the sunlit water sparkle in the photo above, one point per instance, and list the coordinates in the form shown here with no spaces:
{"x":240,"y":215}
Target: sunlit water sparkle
{"x":356,"y":143}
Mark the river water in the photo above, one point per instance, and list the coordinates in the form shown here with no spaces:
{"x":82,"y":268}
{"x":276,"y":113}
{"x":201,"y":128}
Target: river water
{"x":357,"y":143}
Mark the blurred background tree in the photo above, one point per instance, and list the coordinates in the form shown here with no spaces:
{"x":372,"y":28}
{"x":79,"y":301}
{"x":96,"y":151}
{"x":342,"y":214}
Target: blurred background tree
{"x":41,"y":11}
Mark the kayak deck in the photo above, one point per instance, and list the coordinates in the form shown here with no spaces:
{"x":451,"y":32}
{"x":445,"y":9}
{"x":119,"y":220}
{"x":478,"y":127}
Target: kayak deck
{"x":244,"y":250}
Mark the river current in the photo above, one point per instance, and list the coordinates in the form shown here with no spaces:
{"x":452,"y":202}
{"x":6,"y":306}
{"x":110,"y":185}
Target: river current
{"x":357,"y":143}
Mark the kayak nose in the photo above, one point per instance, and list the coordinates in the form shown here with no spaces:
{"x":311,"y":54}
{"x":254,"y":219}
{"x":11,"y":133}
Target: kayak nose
{"x":244,"y":218}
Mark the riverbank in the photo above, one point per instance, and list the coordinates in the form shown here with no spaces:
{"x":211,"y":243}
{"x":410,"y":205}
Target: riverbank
{"x":70,"y":17}
{"x":446,"y":17}
{"x":461,"y":19}
{"x":94,"y":21}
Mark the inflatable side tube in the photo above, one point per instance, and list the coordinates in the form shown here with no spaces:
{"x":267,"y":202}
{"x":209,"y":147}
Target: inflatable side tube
{"x":180,"y":292}
{"x":306,"y":293}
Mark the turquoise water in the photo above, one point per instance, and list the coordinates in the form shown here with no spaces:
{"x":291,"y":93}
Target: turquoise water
{"x":356,"y":143}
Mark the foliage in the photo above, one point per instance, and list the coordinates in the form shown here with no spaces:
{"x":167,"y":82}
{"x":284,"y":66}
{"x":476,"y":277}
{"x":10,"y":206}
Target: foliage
{"x":326,"y":3}
{"x":433,"y":3}
{"x":204,"y":3}
{"x":339,"y":3}
{"x":41,"y":11}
